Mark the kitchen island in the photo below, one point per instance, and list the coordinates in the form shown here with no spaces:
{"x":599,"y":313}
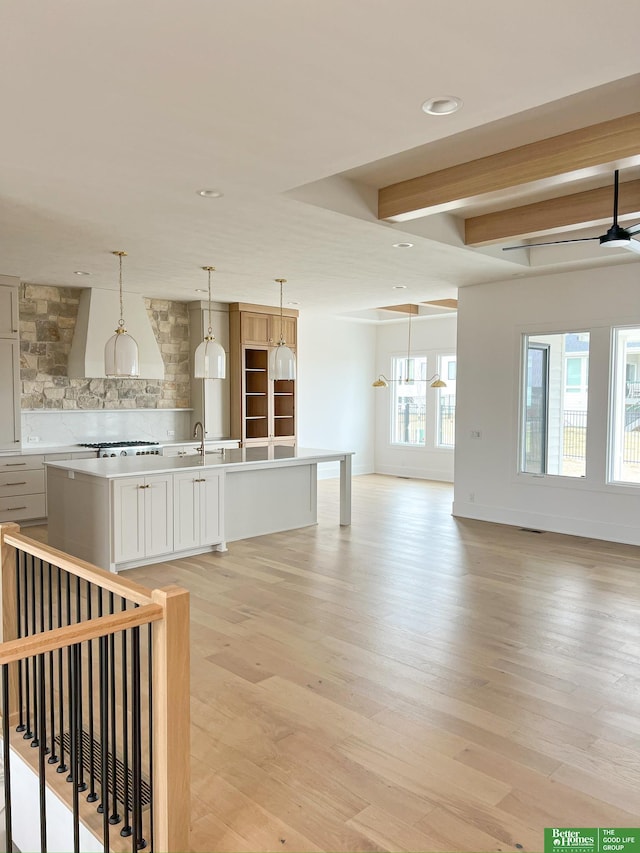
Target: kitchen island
{"x":130,"y":511}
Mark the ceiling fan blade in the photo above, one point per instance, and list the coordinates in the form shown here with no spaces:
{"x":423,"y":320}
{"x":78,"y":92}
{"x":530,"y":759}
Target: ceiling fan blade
{"x":551,"y":243}
{"x":633,"y":246}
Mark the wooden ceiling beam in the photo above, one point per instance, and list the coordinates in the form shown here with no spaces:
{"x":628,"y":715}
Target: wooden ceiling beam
{"x":402,"y":309}
{"x":593,"y":207}
{"x":607,"y":142}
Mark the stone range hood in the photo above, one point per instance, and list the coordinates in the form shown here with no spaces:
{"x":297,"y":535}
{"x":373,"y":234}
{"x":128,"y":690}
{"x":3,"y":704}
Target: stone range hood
{"x":98,"y":315}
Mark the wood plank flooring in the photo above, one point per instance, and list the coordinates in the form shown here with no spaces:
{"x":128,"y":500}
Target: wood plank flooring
{"x":413,"y":682}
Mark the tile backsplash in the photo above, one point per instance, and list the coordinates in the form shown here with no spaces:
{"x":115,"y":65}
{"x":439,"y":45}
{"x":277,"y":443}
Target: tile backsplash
{"x":47,"y":322}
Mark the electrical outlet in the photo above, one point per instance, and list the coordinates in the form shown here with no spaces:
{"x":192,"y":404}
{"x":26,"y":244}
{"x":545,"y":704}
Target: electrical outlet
{"x":472,"y":497}
{"x":171,"y":433}
{"x":475,"y":433}
{"x":33,"y":439}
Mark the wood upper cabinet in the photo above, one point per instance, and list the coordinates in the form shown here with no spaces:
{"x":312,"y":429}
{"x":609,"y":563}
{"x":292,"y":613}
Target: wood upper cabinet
{"x":263,"y":329}
{"x":262,"y":411}
{"x":255,"y":328}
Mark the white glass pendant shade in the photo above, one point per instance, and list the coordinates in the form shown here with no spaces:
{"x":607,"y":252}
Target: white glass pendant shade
{"x":121,"y":350}
{"x":282,"y":363}
{"x":121,"y":355}
{"x":210,"y":361}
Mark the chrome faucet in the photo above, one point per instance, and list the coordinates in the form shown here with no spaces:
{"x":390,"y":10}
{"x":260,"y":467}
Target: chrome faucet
{"x":195,"y":435}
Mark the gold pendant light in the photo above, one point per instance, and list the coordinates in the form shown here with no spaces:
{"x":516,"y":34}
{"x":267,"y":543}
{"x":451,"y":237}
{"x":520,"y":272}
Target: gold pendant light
{"x":383,"y":382}
{"x":282,"y":361}
{"x":210,"y":360}
{"x":121,"y":350}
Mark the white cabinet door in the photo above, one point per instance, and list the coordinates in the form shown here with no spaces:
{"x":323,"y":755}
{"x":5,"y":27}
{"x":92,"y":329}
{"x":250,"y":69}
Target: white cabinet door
{"x":142,"y":517}
{"x":158,"y":514}
{"x":9,"y":394}
{"x":8,"y":311}
{"x":128,"y":519}
{"x":197,"y":505}
{"x":210,"y":509}
{"x":186,"y":518}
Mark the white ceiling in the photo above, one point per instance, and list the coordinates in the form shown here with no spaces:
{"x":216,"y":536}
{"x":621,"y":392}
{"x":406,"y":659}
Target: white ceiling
{"x":114,"y":113}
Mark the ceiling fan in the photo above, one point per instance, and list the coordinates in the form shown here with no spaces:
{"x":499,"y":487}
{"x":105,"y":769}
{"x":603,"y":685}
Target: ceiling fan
{"x":616,"y":237}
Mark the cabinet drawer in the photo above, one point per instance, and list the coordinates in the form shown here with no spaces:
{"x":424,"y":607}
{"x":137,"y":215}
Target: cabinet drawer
{"x":20,"y":463}
{"x":21,"y":482}
{"x":22,"y":507}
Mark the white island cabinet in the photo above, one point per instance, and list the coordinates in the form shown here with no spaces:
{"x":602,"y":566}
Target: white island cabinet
{"x":198,"y":501}
{"x":142,"y":517}
{"x":129,"y":511}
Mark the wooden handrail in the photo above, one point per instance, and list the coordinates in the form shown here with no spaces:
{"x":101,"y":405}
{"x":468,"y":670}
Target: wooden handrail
{"x":79,"y":568}
{"x":60,"y":638}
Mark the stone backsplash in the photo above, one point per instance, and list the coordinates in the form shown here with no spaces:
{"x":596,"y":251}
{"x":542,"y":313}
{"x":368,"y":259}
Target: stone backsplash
{"x":47,"y":322}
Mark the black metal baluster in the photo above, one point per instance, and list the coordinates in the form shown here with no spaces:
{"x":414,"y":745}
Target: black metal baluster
{"x":126,"y":829}
{"x":92,"y":795}
{"x":28,"y":734}
{"x":6,"y":756}
{"x":150,"y":695}
{"x":74,"y":736}
{"x":42,"y":672}
{"x":70,"y":696}
{"x":104,"y":734}
{"x":34,"y":663}
{"x":138,"y":841}
{"x":19,"y":557}
{"x":62,"y":767}
{"x":82,"y":785}
{"x":53,"y":758}
{"x":42,"y":752}
{"x":115,"y":817}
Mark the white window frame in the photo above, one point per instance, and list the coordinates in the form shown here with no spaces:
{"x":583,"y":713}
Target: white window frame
{"x":617,"y":410}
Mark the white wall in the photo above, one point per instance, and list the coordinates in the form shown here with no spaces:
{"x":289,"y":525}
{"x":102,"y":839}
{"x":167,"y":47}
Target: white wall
{"x":335,"y":397}
{"x":491,"y":321}
{"x":430,"y":336}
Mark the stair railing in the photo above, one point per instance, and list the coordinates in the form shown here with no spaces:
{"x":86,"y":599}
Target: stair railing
{"x":94,"y":697}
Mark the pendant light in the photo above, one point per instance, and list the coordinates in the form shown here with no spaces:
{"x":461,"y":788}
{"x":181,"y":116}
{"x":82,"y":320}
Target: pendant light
{"x":282,"y":361}
{"x":383,"y":382}
{"x":121,"y":350}
{"x":210,"y":360}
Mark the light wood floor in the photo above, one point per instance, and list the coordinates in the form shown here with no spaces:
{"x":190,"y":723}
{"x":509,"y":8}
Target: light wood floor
{"x":413,"y":682}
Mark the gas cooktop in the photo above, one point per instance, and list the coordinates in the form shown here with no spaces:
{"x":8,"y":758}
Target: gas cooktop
{"x":124,"y":448}
{"x":98,"y":445}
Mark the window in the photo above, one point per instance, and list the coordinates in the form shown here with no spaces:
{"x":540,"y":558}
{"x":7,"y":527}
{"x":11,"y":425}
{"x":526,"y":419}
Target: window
{"x":409,"y":401}
{"x":554,"y":404}
{"x":624,"y":440}
{"x":447,"y":402}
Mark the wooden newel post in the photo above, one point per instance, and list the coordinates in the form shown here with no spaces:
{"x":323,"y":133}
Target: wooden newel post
{"x":9,"y":607}
{"x":171,"y":722}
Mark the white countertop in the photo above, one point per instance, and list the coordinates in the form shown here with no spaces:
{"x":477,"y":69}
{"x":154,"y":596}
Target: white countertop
{"x":247,"y":457}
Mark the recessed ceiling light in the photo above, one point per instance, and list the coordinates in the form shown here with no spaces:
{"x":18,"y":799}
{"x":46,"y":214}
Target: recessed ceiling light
{"x":293,"y":303}
{"x":200,"y":290}
{"x":81,"y":272}
{"x":443,"y":105}
{"x":403,"y":245}
{"x":399,"y":287}
{"x":210,"y":193}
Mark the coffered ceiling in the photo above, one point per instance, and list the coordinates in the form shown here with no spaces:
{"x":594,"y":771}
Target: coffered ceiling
{"x":301,"y":112}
